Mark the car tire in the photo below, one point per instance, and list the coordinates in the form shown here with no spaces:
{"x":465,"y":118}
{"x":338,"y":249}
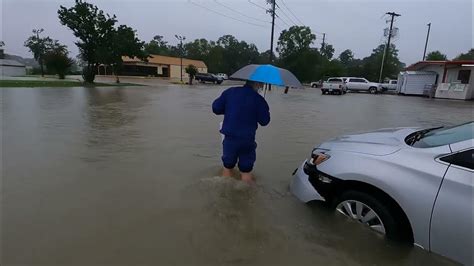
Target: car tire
{"x":313,"y":86}
{"x":373,"y":90}
{"x":389,"y":219}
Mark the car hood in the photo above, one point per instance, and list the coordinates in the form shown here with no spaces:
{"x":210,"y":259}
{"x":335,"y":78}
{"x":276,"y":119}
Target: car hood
{"x":381,"y":142}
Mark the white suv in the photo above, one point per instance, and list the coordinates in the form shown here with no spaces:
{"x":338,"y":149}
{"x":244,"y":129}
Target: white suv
{"x":361,"y":84}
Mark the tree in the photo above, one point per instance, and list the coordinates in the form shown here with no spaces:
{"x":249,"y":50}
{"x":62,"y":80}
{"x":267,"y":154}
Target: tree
{"x":198,"y":49}
{"x":57,"y":60}
{"x":327,"y":51}
{"x":436,"y":56}
{"x":2,"y":55}
{"x":264,"y":58}
{"x":235,"y":54}
{"x":295,"y":39}
{"x":371,"y":64}
{"x":123,"y":43}
{"x":157,"y":46}
{"x":346,"y":57}
{"x":39,"y":46}
{"x":99,"y":41}
{"x":192,"y":71}
{"x":467,"y":56}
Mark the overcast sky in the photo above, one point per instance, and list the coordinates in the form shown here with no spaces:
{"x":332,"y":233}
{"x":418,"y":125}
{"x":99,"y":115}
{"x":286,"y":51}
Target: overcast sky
{"x":357,"y":25}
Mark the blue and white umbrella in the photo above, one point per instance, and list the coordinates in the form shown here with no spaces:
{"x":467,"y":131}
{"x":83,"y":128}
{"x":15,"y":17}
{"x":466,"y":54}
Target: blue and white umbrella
{"x":268,"y":74}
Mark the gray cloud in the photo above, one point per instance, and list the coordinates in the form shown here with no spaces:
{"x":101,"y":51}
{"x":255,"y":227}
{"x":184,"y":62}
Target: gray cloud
{"x":355,"y":25}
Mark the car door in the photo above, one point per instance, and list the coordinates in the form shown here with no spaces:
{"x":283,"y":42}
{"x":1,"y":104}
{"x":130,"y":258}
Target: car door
{"x":351,"y":84}
{"x":451,"y":231}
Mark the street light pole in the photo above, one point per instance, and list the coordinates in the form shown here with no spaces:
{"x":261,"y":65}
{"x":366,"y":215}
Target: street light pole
{"x":181,"y":39}
{"x":427,"y":37}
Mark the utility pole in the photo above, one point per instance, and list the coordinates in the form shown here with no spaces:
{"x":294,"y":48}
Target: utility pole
{"x":324,"y":41}
{"x":272,"y":11}
{"x":273,"y":30}
{"x":387,"y":47}
{"x":181,"y":39}
{"x":427,"y":37}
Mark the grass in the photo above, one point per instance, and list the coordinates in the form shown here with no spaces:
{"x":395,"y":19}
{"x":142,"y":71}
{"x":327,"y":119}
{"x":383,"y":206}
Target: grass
{"x":55,"y":84}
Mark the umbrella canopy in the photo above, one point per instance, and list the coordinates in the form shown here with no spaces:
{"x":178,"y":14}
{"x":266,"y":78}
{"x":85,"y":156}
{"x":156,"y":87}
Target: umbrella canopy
{"x":267,"y":74}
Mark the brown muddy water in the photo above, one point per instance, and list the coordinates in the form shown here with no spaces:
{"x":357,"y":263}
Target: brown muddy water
{"x":129,"y":176}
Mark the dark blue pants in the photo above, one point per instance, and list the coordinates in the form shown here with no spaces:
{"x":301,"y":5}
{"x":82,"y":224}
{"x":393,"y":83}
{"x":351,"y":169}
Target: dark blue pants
{"x":241,"y":150}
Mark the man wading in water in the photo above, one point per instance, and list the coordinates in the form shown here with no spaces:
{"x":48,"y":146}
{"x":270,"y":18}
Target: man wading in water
{"x":243,"y":109}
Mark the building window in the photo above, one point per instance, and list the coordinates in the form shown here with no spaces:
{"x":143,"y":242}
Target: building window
{"x":464,"y":75}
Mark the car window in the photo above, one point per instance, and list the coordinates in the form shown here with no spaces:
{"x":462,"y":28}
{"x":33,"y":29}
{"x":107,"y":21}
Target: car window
{"x":334,"y":80}
{"x":352,"y":80}
{"x":445,"y":136}
{"x":394,"y":82}
{"x":464,"y":159}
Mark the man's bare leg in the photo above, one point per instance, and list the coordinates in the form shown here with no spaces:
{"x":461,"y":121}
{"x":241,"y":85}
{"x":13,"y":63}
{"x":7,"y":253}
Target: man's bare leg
{"x":227,"y":172}
{"x":247,"y":178}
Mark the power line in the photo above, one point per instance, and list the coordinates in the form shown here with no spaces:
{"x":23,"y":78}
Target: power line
{"x":292,"y":12}
{"x":240,"y":13}
{"x":288,"y":17}
{"x":284,"y":22}
{"x":224,"y":15}
{"x":257,"y":5}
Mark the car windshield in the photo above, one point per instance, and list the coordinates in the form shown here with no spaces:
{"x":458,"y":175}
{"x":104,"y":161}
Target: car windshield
{"x":445,"y":136}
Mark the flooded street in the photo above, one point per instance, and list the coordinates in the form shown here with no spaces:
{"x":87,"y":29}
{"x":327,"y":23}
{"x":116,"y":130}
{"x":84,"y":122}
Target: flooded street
{"x":128,"y":176}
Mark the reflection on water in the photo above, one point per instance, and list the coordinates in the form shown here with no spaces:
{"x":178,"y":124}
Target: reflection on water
{"x":128,"y":176}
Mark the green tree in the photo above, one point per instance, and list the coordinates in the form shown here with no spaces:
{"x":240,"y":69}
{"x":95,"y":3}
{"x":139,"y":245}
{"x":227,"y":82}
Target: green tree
{"x":198,"y":49}
{"x":327,"y":51}
{"x":123,"y":42}
{"x":57,"y":60}
{"x":100,"y":42}
{"x":264,"y":58}
{"x":235,"y":53}
{"x":2,"y":55}
{"x":39,"y":46}
{"x":467,"y":56}
{"x":157,"y":46}
{"x":192,"y":71}
{"x":371,"y":64}
{"x":436,"y":56}
{"x":346,"y":57}
{"x":294,"y":40}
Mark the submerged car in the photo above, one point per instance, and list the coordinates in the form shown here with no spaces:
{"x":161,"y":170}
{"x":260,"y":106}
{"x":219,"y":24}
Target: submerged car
{"x":407,"y":184}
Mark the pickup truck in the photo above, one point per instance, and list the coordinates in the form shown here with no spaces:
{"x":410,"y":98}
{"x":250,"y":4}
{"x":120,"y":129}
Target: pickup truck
{"x":333,"y":86}
{"x":208,"y":77}
{"x":391,"y":85}
{"x":361,"y":84}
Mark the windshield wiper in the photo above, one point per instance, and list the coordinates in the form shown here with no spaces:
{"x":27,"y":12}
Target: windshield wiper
{"x":420,"y":135}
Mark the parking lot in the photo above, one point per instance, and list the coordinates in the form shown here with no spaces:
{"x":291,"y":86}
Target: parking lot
{"x":130,"y":176}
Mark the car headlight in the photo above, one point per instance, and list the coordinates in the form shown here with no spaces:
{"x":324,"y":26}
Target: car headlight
{"x":318,"y":156}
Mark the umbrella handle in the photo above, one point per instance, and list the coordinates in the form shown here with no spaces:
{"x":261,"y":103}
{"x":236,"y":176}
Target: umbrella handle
{"x":265,"y":91}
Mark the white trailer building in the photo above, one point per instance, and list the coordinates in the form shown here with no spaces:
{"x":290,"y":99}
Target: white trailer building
{"x":11,"y":68}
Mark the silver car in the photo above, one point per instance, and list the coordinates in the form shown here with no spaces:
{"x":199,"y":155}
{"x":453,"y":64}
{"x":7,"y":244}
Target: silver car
{"x":408,"y":184}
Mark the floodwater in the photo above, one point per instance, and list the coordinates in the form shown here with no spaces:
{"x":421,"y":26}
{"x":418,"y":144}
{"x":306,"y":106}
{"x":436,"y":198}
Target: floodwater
{"x":129,"y":176}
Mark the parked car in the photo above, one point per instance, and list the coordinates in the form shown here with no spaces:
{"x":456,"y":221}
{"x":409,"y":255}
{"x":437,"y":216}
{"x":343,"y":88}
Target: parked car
{"x":316,"y":84}
{"x":390,"y":86}
{"x":223,"y":76}
{"x":334,"y":86}
{"x":408,"y":184}
{"x":361,"y":84}
{"x":208,"y":77}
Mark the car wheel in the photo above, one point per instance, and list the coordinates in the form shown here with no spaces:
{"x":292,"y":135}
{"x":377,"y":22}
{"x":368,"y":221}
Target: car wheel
{"x":371,"y":212}
{"x":373,"y":90}
{"x":313,"y":86}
